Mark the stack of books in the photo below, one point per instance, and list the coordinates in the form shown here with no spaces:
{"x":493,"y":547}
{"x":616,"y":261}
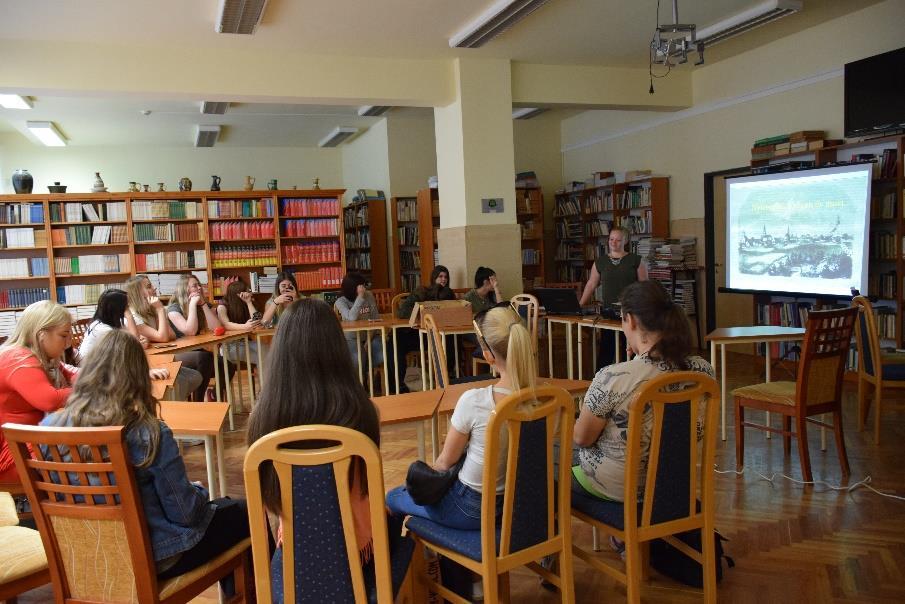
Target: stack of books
{"x":22,"y":213}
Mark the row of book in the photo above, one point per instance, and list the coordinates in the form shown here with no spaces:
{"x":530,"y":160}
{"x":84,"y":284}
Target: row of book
{"x":240,"y":208}
{"x":600,"y":200}
{"x":90,"y":235}
{"x":22,"y":213}
{"x":360,"y":238}
{"x":884,"y":163}
{"x":327,"y":277}
{"x":788,"y":313}
{"x":567,"y":207}
{"x":883,"y":208}
{"x":91,"y":264}
{"x":83,"y":311}
{"x":170,"y":261}
{"x":22,"y":237}
{"x":318,"y":227}
{"x":568,"y":251}
{"x":605,"y":179}
{"x":571,"y":273}
{"x":358,"y":261}
{"x":783,"y":144}
{"x":882,"y":285}
{"x":242,"y":229}
{"x":311,"y":253}
{"x":411,"y":281}
{"x":87,"y":212}
{"x":529,"y":203}
{"x":356,"y":216}
{"x":530,"y":257}
{"x":531,"y":229}
{"x":674,"y":254}
{"x":309,"y":207}
{"x":634,"y":197}
{"x":223,"y":256}
{"x":568,"y":230}
{"x":84,"y":293}
{"x":598,"y":228}
{"x":159,"y":209}
{"x":636,"y":225}
{"x":410,"y":260}
{"x":11,"y":268}
{"x":20,"y":297}
{"x":407,"y":209}
{"x":882,"y":246}
{"x":408,"y":235}
{"x":188,"y":231}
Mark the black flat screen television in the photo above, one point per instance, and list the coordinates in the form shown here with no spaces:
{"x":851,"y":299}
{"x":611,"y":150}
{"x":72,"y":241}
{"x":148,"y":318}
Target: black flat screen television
{"x":875,"y":94}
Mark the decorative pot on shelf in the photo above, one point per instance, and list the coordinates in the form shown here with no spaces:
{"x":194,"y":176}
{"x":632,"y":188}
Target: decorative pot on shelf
{"x":99,"y":186}
{"x":161,"y":188}
{"x":317,"y":184}
{"x":56,"y":187}
{"x":249,"y":183}
{"x":185,"y":184}
{"x":272,"y":184}
{"x":22,"y":182}
{"x":146,"y":188}
{"x":215,"y":183}
{"x":133,"y":187}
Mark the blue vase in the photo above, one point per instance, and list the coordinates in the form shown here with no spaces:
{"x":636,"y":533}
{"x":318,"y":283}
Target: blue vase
{"x":22,"y":182}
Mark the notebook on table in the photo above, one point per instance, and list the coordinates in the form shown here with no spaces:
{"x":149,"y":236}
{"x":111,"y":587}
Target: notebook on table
{"x":561,"y":301}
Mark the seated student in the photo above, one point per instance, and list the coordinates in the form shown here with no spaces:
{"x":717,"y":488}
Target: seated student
{"x":355,"y":304}
{"x":186,"y":530}
{"x":33,"y":379}
{"x":112,"y":313}
{"x":313,"y":381}
{"x":285,"y":293}
{"x":659,"y":336}
{"x":486,"y":292}
{"x":150,"y":318}
{"x":237,"y":312}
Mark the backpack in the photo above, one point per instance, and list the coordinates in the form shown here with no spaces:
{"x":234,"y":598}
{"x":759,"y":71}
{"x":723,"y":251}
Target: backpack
{"x":675,"y":564}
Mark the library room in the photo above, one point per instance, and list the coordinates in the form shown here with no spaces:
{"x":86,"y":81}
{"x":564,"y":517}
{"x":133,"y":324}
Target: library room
{"x":381,"y":301}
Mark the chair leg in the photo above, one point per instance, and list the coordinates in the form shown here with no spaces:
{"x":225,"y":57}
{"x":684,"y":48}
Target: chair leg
{"x":787,"y":436}
{"x":840,"y":442}
{"x":708,"y":552}
{"x":801,"y":425}
{"x":863,"y":404}
{"x":419,"y":574}
{"x":633,"y":571}
{"x":566,"y":577}
{"x":504,"y":588}
{"x":474,"y":366}
{"x":739,"y":435}
{"x":878,"y":395}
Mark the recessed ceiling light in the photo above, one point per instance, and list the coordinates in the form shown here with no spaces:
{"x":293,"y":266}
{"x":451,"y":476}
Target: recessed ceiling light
{"x":206,"y":136}
{"x":47,"y":133}
{"x":526,"y":113}
{"x":337,"y":136}
{"x":14,"y":101}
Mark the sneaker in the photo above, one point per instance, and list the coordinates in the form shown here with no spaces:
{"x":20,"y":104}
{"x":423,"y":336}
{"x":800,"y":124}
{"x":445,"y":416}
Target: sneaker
{"x":548,"y":563}
{"x":618,"y":547}
{"x":477,"y":591}
{"x":191,"y":442}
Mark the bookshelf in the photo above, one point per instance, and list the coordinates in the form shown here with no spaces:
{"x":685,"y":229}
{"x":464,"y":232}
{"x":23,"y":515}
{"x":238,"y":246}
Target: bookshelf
{"x":407,"y":249}
{"x":583,"y":218}
{"x":70,"y":247}
{"x":428,"y":225}
{"x":366,"y":240}
{"x":529,"y":204}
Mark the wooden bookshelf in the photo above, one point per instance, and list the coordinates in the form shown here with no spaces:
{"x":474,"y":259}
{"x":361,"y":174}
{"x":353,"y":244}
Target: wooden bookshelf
{"x":407,"y":247}
{"x":428,"y":225}
{"x":366,"y":240}
{"x":583,"y":219}
{"x":529,"y":205}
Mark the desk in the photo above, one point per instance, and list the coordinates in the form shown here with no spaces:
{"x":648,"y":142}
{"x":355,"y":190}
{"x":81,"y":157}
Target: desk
{"x":205,"y":420}
{"x":745,"y":335}
{"x":568,"y":321}
{"x":412,"y":407}
{"x":368,"y":326}
{"x":159,"y":387}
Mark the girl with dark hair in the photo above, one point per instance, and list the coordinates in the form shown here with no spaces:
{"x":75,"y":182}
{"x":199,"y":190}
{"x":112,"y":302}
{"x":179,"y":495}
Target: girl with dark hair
{"x":356,"y":304}
{"x":237,"y":312}
{"x":659,"y":337}
{"x":486,"y":291}
{"x":285,"y":293}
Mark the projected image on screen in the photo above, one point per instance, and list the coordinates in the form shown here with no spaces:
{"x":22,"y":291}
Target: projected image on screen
{"x":800,"y":232}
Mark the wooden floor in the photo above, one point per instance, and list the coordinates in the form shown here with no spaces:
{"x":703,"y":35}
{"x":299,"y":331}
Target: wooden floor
{"x":791,"y":543}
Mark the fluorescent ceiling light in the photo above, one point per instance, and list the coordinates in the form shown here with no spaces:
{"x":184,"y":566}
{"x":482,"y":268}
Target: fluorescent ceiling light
{"x":337,"y":136}
{"x":497,"y":19}
{"x":206,"y":136}
{"x":47,"y":133}
{"x":526,"y":113}
{"x":746,"y":20}
{"x":214,"y":107}
{"x":14,"y":101}
{"x":373,"y":110}
{"x":239,"y":16}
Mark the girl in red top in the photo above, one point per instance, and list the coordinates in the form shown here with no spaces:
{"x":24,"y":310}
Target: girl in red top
{"x":33,"y":379}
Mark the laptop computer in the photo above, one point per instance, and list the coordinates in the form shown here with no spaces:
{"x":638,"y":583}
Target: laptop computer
{"x":561,"y":301}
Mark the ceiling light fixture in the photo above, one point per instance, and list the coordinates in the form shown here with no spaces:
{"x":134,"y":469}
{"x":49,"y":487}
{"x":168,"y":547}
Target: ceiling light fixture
{"x":214,"y":107}
{"x":526,"y":113}
{"x":748,"y":19}
{"x":239,"y":16}
{"x":338,"y":136}
{"x":14,"y":101}
{"x":206,"y":136}
{"x":373,"y":110}
{"x":494,"y":21}
{"x":47,"y":133}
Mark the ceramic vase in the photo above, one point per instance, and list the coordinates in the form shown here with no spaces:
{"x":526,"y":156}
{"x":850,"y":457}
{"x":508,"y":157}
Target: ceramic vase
{"x":22,"y":182}
{"x":99,"y":186}
{"x":185,"y":184}
{"x":215,"y":183}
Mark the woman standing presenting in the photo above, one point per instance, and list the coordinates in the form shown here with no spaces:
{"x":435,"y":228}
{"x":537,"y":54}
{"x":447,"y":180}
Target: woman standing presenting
{"x":616,"y":270}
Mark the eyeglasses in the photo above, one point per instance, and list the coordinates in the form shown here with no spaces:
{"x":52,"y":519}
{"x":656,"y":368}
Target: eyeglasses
{"x":479,"y":318}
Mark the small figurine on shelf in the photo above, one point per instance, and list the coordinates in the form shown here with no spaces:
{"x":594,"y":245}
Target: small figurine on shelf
{"x":317,"y":184}
{"x":249,"y":183}
{"x":272,"y":184}
{"x":146,"y":188}
{"x":133,"y":187}
{"x":160,"y":187}
{"x":185,"y":184}
{"x":99,"y":186}
{"x":215,"y":184}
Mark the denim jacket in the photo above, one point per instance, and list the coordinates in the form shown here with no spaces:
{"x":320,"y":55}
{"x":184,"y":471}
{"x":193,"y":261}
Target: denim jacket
{"x":177,"y":511}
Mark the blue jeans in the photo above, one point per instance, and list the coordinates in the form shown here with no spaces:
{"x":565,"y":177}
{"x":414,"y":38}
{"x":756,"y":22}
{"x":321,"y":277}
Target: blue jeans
{"x":376,"y":353}
{"x":460,"y":508}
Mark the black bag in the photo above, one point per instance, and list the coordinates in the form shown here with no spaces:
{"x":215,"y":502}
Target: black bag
{"x":674,"y":564}
{"x":427,"y":486}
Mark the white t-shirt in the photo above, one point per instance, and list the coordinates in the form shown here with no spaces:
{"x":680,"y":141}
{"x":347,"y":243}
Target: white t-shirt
{"x":471,"y":415}
{"x":94,"y":334}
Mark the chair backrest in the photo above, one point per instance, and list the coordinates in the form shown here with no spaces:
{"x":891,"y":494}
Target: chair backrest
{"x":671,"y":477}
{"x":867,"y":337}
{"x":397,"y":302}
{"x":79,"y":328}
{"x":320,"y":554}
{"x":436,"y":352}
{"x":384,"y":298}
{"x":527,"y":306}
{"x":523,"y":428}
{"x":827,"y":338}
{"x":82,"y":489}
{"x":460,"y":292}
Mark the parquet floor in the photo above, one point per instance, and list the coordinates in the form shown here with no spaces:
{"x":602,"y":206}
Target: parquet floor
{"x":791,"y":543}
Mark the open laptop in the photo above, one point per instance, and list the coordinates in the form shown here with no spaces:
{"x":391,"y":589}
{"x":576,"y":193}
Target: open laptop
{"x":561,"y":301}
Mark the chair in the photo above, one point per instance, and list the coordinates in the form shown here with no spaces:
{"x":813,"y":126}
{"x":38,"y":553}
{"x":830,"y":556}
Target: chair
{"x":817,"y":389}
{"x":527,"y":307}
{"x":93,"y":524}
{"x":323,"y":560}
{"x":670,"y":484}
{"x":892,"y":366}
{"x":397,"y":302}
{"x":384,"y":298}
{"x":529,"y":529}
{"x":436,"y":352}
{"x":460,"y":292}
{"x":79,"y":328}
{"x":23,"y":563}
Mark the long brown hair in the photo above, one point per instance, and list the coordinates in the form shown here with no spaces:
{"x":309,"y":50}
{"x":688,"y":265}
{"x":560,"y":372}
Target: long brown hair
{"x":114,"y":389}
{"x":181,"y":299}
{"x":236,"y":308}
{"x":310,"y":380}
{"x":656,"y":313}
{"x":138,"y":302}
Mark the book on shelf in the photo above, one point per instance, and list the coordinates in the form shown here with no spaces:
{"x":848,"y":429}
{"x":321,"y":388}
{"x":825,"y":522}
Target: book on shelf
{"x":87,"y":212}
{"x":304,"y":207}
{"x":240,"y":208}
{"x":20,"y":297}
{"x":161,"y":209}
{"x":407,"y":209}
{"x":239,"y":256}
{"x":22,"y":237}
{"x":311,"y":227}
{"x":22,"y":213}
{"x":84,"y":293}
{"x":149,"y":233}
{"x":91,"y":264}
{"x":329,"y":277}
{"x":243,"y":229}
{"x":311,"y":253}
{"x":369,"y":195}
{"x":170,"y":260}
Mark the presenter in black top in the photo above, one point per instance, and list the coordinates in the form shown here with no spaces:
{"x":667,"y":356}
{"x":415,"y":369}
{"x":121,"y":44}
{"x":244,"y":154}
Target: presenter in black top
{"x":616,"y":270}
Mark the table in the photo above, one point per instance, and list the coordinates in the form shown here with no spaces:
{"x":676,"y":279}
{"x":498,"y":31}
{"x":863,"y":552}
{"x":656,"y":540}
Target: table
{"x":412,"y":407}
{"x":568,"y":321}
{"x":204,"y":420}
{"x":159,"y":387}
{"x":745,"y":335}
{"x":368,"y":326}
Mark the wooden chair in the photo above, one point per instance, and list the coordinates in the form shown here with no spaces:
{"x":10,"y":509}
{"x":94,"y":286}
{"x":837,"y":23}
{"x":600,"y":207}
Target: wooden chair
{"x":530,"y":314}
{"x":79,"y":328}
{"x":320,"y":557}
{"x":384,"y":299}
{"x":529,"y":528}
{"x":23,"y":563}
{"x":397,"y":302}
{"x":817,"y":389}
{"x":670,"y":487}
{"x":93,"y":524}
{"x":892,"y":366}
{"x":460,"y":292}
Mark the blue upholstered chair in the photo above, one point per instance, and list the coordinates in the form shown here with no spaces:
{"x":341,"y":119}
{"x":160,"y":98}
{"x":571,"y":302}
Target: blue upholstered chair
{"x":319,"y":560}
{"x":661,"y":501}
{"x":892,"y":366}
{"x":529,"y":529}
{"x":436,"y":353}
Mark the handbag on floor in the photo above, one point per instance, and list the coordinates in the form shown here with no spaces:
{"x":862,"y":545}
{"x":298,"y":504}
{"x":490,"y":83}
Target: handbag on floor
{"x":669,"y":561}
{"x":427,"y":486}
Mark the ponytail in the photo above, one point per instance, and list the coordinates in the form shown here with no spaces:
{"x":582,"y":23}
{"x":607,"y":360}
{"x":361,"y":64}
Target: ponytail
{"x":508,"y":338}
{"x":656,"y":313}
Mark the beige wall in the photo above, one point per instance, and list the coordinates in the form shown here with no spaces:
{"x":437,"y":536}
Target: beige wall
{"x":412,"y":151}
{"x":365,"y":162}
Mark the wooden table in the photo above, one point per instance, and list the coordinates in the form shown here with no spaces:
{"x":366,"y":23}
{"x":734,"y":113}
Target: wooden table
{"x":744,"y":335}
{"x":204,"y":420}
{"x":579,"y":321}
{"x":412,"y":407}
{"x":427,"y":366}
{"x":597,"y":323}
{"x":159,"y":387}
{"x":367,"y":326}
